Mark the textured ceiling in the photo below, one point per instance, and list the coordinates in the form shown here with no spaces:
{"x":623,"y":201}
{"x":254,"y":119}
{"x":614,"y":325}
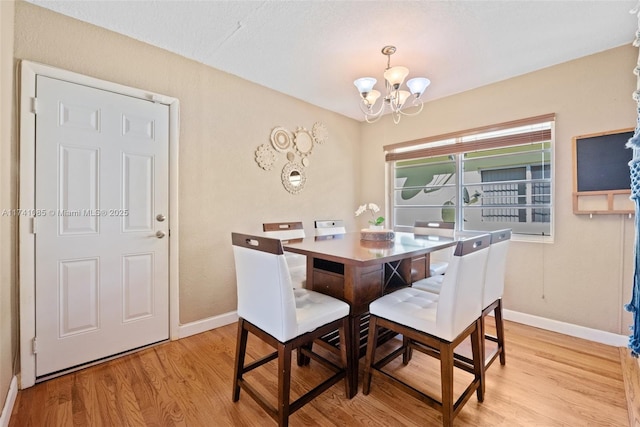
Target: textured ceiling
{"x":313,"y":50}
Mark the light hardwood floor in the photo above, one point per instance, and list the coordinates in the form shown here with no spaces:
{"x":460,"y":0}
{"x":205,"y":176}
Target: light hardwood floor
{"x":549,"y":380}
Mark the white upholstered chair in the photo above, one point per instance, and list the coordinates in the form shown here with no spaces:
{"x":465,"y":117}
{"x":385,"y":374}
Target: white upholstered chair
{"x":493,"y":290}
{"x":329,"y":227}
{"x":439,"y":259}
{"x":284,"y":318}
{"x":435,"y":325}
{"x":431,"y":284}
{"x":290,"y":231}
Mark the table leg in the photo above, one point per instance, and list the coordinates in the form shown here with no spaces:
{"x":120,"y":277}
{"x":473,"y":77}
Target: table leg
{"x":354,"y":354}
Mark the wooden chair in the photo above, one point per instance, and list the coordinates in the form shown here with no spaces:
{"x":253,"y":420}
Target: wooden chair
{"x":290,"y":231}
{"x":435,"y":325}
{"x":493,"y":291}
{"x":286,"y":319}
{"x":437,"y":266}
{"x":330,"y":227}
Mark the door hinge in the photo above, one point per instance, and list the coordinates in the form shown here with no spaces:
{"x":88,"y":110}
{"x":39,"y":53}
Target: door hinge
{"x":34,"y":105}
{"x":34,"y":345}
{"x":33,"y":225}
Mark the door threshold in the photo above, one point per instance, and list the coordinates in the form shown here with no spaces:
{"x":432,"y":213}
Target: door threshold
{"x":72,"y":369}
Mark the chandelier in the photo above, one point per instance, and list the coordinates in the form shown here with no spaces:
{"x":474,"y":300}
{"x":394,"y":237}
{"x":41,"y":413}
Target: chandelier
{"x":395,"y":99}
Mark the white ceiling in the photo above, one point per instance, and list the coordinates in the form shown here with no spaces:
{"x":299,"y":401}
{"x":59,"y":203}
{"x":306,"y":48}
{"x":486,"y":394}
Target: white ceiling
{"x":313,"y":50}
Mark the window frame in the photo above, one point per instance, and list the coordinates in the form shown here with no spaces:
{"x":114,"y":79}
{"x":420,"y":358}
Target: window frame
{"x":466,"y":141}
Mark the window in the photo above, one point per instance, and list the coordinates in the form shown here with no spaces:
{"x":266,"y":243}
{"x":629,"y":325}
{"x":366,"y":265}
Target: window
{"x":482,"y":179}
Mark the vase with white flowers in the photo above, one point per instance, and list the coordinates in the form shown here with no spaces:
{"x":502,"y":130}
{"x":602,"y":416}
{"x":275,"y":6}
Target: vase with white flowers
{"x":376,"y":222}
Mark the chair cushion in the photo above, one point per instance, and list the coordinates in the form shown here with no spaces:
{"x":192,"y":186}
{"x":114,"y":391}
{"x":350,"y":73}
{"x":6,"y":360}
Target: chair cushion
{"x":431,"y":284}
{"x":314,"y":309}
{"x":438,"y":267}
{"x":410,"y":307}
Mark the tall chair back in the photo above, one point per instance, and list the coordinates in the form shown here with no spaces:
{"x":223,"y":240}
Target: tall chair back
{"x":439,"y":260}
{"x":492,"y":298}
{"x":330,"y":227}
{"x":284,"y":230}
{"x":460,"y":300}
{"x":434,"y":228}
{"x":287,"y":232}
{"x":265,"y":294}
{"x":496,"y":266}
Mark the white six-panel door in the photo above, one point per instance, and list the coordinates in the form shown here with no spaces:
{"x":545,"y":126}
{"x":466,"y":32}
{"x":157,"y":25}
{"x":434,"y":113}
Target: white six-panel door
{"x":102,"y":224}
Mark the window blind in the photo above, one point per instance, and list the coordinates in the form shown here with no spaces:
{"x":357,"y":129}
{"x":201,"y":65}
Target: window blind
{"x":420,"y":147}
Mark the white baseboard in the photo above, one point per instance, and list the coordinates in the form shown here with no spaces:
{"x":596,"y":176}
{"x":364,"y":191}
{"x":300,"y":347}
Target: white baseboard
{"x":577,"y":331}
{"x":207,"y":324}
{"x":7,"y":409}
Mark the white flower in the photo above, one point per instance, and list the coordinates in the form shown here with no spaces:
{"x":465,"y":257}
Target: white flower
{"x":373,"y":209}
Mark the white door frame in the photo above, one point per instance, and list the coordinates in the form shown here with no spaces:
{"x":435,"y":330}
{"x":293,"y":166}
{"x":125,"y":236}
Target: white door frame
{"x":26,"y":202}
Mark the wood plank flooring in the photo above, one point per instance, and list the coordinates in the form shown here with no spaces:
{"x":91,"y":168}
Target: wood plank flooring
{"x":549,"y":380}
{"x":631,"y":375}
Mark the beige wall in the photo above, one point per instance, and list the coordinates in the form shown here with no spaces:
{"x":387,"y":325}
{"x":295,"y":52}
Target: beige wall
{"x":585,"y":276}
{"x":223,"y":120}
{"x":8,"y":317}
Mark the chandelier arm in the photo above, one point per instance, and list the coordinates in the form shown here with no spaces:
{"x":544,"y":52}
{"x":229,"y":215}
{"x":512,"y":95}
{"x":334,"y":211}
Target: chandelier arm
{"x":367,"y":110}
{"x":396,"y":116}
{"x":375,"y":118}
{"x":393,"y":100}
{"x":415,"y":113}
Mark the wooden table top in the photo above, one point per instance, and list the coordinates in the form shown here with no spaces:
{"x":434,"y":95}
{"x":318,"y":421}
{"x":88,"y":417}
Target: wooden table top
{"x":351,"y":250}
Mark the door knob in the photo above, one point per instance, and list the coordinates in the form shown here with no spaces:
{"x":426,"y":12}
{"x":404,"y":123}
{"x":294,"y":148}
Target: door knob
{"x":160,"y":234}
{"x":160,"y":217}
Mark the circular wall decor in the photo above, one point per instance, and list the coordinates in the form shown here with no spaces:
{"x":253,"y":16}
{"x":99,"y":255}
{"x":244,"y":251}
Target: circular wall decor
{"x":280,"y":139}
{"x":293,"y":177}
{"x":265,"y":157}
{"x":303,"y":141}
{"x":320,"y":132}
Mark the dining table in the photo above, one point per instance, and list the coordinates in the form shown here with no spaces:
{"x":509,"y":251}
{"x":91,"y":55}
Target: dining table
{"x":358,"y":271}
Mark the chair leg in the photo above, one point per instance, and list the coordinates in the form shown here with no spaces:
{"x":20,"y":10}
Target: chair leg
{"x":284,"y":383}
{"x":301,"y":358}
{"x":483,"y":353}
{"x":408,"y":351}
{"x":372,"y":344}
{"x":238,"y":370}
{"x":446,"y":377}
{"x":477,"y":349}
{"x":500,"y":331}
